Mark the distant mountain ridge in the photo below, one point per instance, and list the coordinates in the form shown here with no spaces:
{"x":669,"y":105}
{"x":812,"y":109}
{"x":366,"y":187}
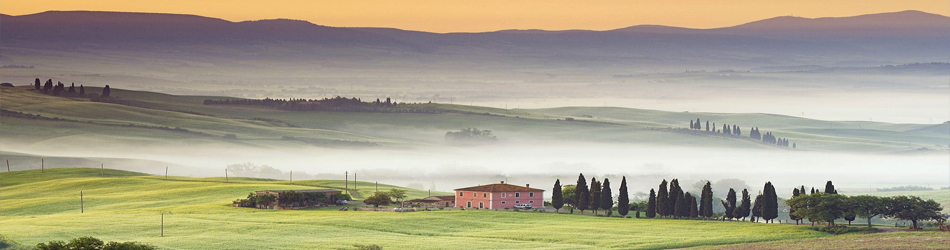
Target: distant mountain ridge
{"x":899,"y":37}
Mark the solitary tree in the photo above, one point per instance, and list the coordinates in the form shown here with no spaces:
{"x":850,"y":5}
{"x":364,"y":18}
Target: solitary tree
{"x":37,"y":84}
{"x":606,"y":197}
{"x":378,"y":199}
{"x":82,"y":91}
{"x":651,"y":205}
{"x":557,"y":200}
{"x":398,"y":195}
{"x":581,"y":194}
{"x":662,"y":197}
{"x":623,"y":201}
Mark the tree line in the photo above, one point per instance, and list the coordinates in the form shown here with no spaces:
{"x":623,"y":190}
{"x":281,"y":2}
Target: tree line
{"x":60,"y":89}
{"x":829,"y":206}
{"x":290,"y":198}
{"x":735,"y":130}
{"x":670,"y":201}
{"x":336,"y":104}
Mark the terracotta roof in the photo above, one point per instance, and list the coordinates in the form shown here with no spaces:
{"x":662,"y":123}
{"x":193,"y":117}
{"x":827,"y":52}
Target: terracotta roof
{"x":500,"y":188}
{"x":446,"y":198}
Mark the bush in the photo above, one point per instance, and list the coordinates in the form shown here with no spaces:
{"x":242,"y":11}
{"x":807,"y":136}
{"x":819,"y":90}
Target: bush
{"x":845,"y":230}
{"x":91,"y":243}
{"x":368,"y":247}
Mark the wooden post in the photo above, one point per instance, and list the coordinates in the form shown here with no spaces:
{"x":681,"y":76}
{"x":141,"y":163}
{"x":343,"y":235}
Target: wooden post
{"x":166,"y":173}
{"x":102,"y":169}
{"x":163,"y":224}
{"x":355,"y":183}
{"x":82,"y":205}
{"x":42,"y":165}
{"x":291,"y":177}
{"x":8,"y":165}
{"x":225,"y":175}
{"x":346,"y":182}
{"x":377,"y":186}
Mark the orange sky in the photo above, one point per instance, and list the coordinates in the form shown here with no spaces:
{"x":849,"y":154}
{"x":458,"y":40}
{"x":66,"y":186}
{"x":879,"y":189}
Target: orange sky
{"x":490,"y":15}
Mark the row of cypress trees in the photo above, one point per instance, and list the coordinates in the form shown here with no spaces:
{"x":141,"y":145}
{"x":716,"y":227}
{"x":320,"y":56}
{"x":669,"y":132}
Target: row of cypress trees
{"x":59,"y":89}
{"x":768,"y":137}
{"x":670,"y":201}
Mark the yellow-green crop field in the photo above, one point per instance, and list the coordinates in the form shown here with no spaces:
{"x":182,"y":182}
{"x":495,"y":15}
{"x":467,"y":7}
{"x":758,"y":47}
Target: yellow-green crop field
{"x":126,"y":206}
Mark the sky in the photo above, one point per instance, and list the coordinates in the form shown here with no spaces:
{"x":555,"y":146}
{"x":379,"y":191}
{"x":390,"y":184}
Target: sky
{"x":491,"y":15}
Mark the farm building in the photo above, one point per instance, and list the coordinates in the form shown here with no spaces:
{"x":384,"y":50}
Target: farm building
{"x":435,"y":201}
{"x":295,"y":199}
{"x":498,"y":196}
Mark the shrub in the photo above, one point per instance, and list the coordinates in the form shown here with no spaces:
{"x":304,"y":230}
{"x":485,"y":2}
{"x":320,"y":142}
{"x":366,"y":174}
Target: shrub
{"x":91,"y":243}
{"x":845,"y":230}
{"x":368,"y":247}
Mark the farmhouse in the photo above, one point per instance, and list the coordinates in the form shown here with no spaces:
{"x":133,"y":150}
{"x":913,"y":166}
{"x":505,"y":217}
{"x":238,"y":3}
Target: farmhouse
{"x":498,"y":196}
{"x":301,"y":198}
{"x":435,"y":201}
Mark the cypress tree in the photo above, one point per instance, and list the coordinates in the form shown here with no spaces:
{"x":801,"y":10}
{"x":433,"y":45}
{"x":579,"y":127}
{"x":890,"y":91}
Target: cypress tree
{"x":82,"y":91}
{"x":662,"y":197}
{"x":676,"y":194}
{"x":692,"y":125}
{"x":707,"y":125}
{"x":48,"y":86}
{"x":72,"y":88}
{"x":730,"y":204}
{"x":651,"y":205}
{"x":812,"y":190}
{"x":705,"y":201}
{"x":830,"y":188}
{"x":106,"y":91}
{"x":594,"y":194}
{"x":580,"y":194}
{"x":745,"y":206}
{"x":770,"y":208}
{"x":682,"y":206}
{"x":698,"y":124}
{"x":37,"y":84}
{"x":757,"y":207}
{"x":557,"y":199}
{"x":606,"y":197}
{"x":693,"y":212}
{"x":623,"y":201}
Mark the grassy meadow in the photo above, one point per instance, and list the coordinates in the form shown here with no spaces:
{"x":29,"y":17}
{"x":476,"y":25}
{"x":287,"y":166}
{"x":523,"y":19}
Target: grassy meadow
{"x":127,"y":206}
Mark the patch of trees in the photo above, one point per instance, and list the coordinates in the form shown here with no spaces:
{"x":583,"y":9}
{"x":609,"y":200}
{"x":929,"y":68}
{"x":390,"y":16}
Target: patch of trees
{"x":256,"y":201}
{"x":735,"y":130}
{"x":386,"y":198}
{"x":331,"y":143}
{"x":15,"y":66}
{"x":91,"y":243}
{"x":60,"y":89}
{"x":830,"y":206}
{"x":470,"y":136}
{"x":336,"y":104}
{"x":905,"y":188}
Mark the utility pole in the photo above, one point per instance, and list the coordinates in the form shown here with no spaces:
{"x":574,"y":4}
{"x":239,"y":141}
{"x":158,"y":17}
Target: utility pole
{"x":8,"y":165}
{"x":42,"y":165}
{"x":163,"y":224}
{"x":225,"y":177}
{"x":102,"y":169}
{"x":82,"y":205}
{"x":355,"y":183}
{"x":346,"y":182}
{"x":166,"y":173}
{"x":377,"y":187}
{"x":291,"y":177}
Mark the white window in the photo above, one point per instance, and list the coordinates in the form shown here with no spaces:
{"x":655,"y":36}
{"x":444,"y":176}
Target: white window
{"x":517,"y":194}
{"x":481,"y":205}
{"x":503,"y":195}
{"x":474,"y":194}
{"x":531,"y":194}
{"x":469,"y":204}
{"x":530,"y":201}
{"x":460,"y":194}
{"x":484,"y":195}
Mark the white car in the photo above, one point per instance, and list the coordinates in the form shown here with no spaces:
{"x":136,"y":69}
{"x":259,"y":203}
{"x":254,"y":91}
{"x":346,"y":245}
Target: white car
{"x":523,"y":206}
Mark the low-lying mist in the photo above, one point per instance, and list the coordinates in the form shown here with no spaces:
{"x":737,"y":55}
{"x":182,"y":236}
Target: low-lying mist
{"x":539,"y":164}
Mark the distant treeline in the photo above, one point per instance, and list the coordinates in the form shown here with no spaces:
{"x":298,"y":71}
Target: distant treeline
{"x":336,"y":104}
{"x":905,"y":188}
{"x":18,"y":114}
{"x":735,"y":130}
{"x":60,"y":89}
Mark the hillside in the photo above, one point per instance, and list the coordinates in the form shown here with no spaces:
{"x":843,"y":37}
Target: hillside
{"x":184,"y":120}
{"x":124,"y":206}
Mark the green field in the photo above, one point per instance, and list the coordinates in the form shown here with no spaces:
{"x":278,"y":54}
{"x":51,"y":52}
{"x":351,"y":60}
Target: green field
{"x":127,"y":206}
{"x":82,"y":123}
{"x":901,"y":240}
